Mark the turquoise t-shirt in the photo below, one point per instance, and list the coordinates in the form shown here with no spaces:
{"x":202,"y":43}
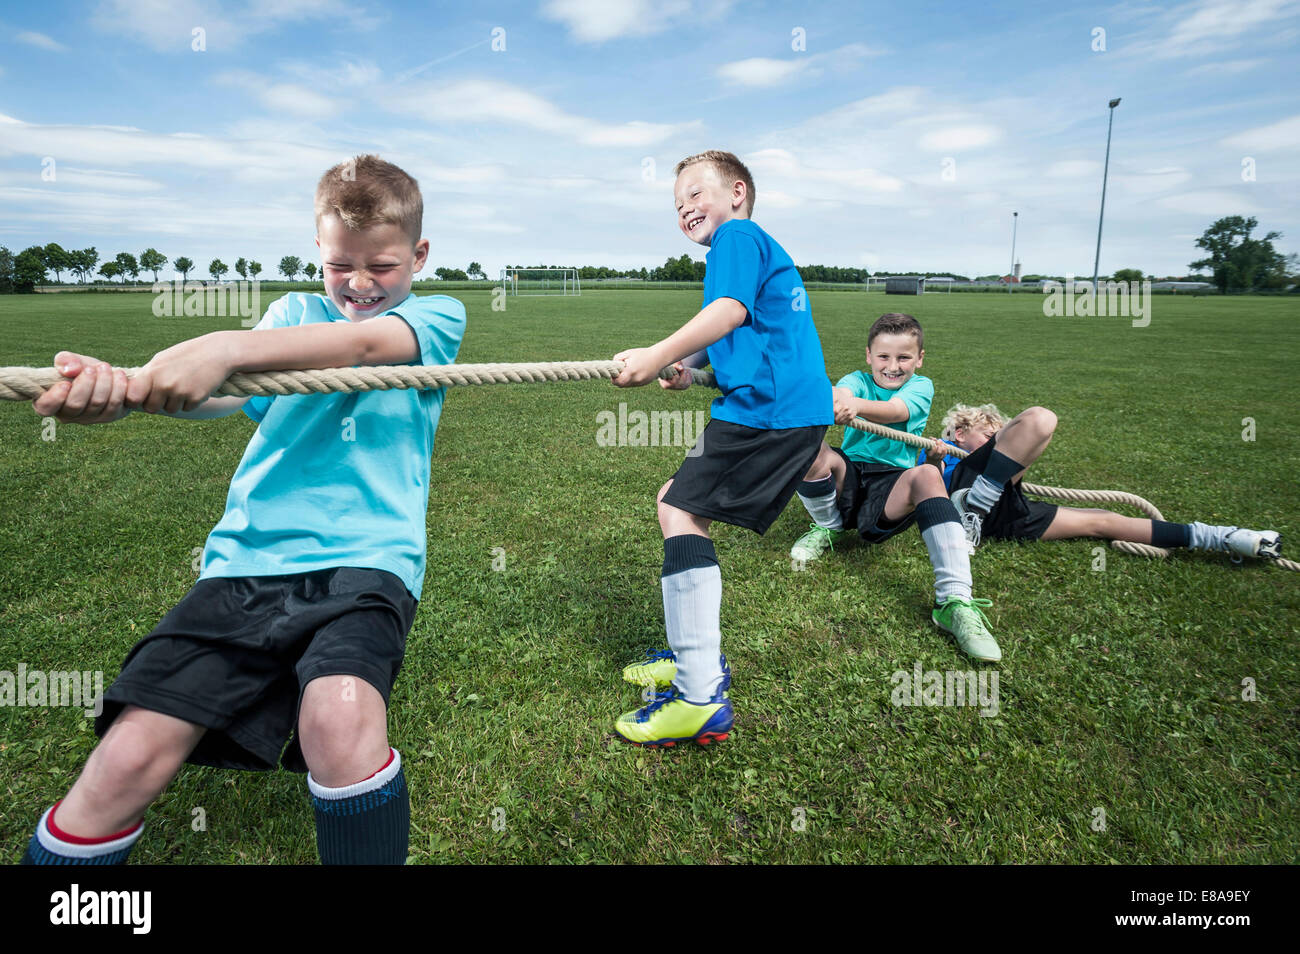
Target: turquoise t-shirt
{"x":770,"y":370}
{"x":917,"y":394}
{"x":331,"y":480}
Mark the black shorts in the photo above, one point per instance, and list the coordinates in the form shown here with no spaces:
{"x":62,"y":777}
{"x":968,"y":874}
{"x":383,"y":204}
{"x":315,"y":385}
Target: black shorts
{"x":235,"y":654}
{"x":862,"y":500}
{"x":1013,"y":517}
{"x":743,"y":475}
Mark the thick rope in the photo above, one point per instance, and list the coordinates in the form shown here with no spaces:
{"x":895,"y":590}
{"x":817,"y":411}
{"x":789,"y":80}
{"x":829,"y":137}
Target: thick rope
{"x":26,"y":384}
{"x":1056,"y":493}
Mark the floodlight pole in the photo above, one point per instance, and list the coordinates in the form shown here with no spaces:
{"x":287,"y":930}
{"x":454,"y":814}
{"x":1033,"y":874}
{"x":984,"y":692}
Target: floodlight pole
{"x":1011,"y":275}
{"x":1105,"y":173}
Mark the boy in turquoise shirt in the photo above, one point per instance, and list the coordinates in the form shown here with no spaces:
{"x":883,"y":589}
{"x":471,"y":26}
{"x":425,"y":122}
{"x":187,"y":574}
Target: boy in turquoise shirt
{"x":870,"y":484}
{"x":297,"y":625}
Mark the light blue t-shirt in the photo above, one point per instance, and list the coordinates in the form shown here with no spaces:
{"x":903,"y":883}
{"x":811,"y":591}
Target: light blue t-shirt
{"x":770,"y":369}
{"x":917,"y":394}
{"x":331,"y":480}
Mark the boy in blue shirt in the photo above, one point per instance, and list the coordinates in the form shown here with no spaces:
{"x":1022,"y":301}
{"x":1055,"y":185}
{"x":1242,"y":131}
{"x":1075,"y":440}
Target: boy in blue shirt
{"x":985,"y":489}
{"x":297,"y":625}
{"x":766,"y":428}
{"x":869,"y":483}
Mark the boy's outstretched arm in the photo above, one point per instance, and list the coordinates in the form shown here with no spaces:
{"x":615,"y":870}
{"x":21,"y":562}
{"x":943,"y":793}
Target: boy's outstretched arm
{"x":847,"y":406}
{"x":714,"y":322}
{"x":184,"y":376}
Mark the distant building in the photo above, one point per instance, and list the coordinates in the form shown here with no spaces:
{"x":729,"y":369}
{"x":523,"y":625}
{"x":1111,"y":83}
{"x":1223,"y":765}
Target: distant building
{"x":904,"y":285}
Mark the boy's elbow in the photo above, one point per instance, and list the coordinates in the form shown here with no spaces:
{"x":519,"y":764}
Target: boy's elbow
{"x":736,"y":314}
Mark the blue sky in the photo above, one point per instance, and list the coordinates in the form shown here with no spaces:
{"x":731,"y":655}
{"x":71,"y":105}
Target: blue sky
{"x":901,"y":136}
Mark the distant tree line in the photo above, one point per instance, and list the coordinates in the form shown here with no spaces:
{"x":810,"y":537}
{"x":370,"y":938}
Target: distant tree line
{"x":1237,"y":262}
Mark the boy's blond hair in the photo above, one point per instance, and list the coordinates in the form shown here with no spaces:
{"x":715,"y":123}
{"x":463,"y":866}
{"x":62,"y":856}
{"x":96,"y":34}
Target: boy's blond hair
{"x":966,"y":417}
{"x":729,"y":169}
{"x":367,"y":191}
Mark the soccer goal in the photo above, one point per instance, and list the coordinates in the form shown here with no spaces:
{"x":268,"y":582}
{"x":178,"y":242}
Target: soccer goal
{"x":541,"y":281}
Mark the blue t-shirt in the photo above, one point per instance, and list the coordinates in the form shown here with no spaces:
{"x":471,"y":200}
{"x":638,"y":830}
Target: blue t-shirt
{"x":770,"y":369}
{"x":332,"y":480}
{"x":949,"y":463}
{"x":917,"y":393}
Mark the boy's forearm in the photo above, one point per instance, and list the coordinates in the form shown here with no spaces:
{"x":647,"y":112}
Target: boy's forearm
{"x":210,"y":409}
{"x":334,"y":345}
{"x":881,"y":412}
{"x":714,"y":322}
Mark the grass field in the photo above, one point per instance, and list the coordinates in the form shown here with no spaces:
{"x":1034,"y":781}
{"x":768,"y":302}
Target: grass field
{"x":1120,"y":689}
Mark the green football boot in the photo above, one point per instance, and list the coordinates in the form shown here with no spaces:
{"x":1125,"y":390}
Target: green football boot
{"x":671,"y":719}
{"x":811,"y":544}
{"x":969,"y":626}
{"x":659,"y":668}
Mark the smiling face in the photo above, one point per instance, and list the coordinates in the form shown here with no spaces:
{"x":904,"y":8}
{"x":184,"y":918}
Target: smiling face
{"x":704,"y":201}
{"x":367,"y":271}
{"x":893,"y":358}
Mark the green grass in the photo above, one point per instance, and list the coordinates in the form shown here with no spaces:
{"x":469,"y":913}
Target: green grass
{"x":1120,"y":689}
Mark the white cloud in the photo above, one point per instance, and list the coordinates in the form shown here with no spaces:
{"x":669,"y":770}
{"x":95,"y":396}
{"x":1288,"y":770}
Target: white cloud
{"x":763,"y":72}
{"x":476,"y":101}
{"x":40,"y":40}
{"x":1225,"y":68}
{"x":167,"y":25}
{"x":285,"y":98}
{"x":1280,"y":135}
{"x":1151,"y":181}
{"x":760,"y":71}
{"x":1210,"y":203}
{"x":957,"y":138}
{"x":595,"y":21}
{"x":1210,"y":26}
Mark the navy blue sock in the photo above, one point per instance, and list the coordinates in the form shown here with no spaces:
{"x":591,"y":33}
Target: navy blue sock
{"x":1001,"y":468}
{"x":1167,"y":535}
{"x":54,"y":847}
{"x":367,"y":823}
{"x":688,"y":551}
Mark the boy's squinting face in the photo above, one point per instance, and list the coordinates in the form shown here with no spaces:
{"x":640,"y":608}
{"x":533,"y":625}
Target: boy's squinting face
{"x":893,"y":358}
{"x":704,"y":201}
{"x":973,"y":438}
{"x":367,"y":271}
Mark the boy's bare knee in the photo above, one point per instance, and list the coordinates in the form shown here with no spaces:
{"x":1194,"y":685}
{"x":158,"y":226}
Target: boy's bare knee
{"x":133,"y":757}
{"x":927,"y":482}
{"x":342,"y":727}
{"x":1043,"y":420}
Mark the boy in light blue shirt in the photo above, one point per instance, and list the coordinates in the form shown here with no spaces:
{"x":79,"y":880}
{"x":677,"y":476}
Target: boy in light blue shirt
{"x":297,"y":626}
{"x":869,"y":483}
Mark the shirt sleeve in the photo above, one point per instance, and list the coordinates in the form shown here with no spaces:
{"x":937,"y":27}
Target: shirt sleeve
{"x":277,"y":316}
{"x":854,"y":382}
{"x":439,"y":325}
{"x":734,"y":269}
{"x":918,"y":396}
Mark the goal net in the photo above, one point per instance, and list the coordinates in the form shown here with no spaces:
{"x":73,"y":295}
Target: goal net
{"x":541,"y":281}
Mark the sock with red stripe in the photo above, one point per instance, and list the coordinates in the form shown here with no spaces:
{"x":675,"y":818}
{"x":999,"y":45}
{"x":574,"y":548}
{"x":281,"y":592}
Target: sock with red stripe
{"x":53,"y":846}
{"x":366,"y":823}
